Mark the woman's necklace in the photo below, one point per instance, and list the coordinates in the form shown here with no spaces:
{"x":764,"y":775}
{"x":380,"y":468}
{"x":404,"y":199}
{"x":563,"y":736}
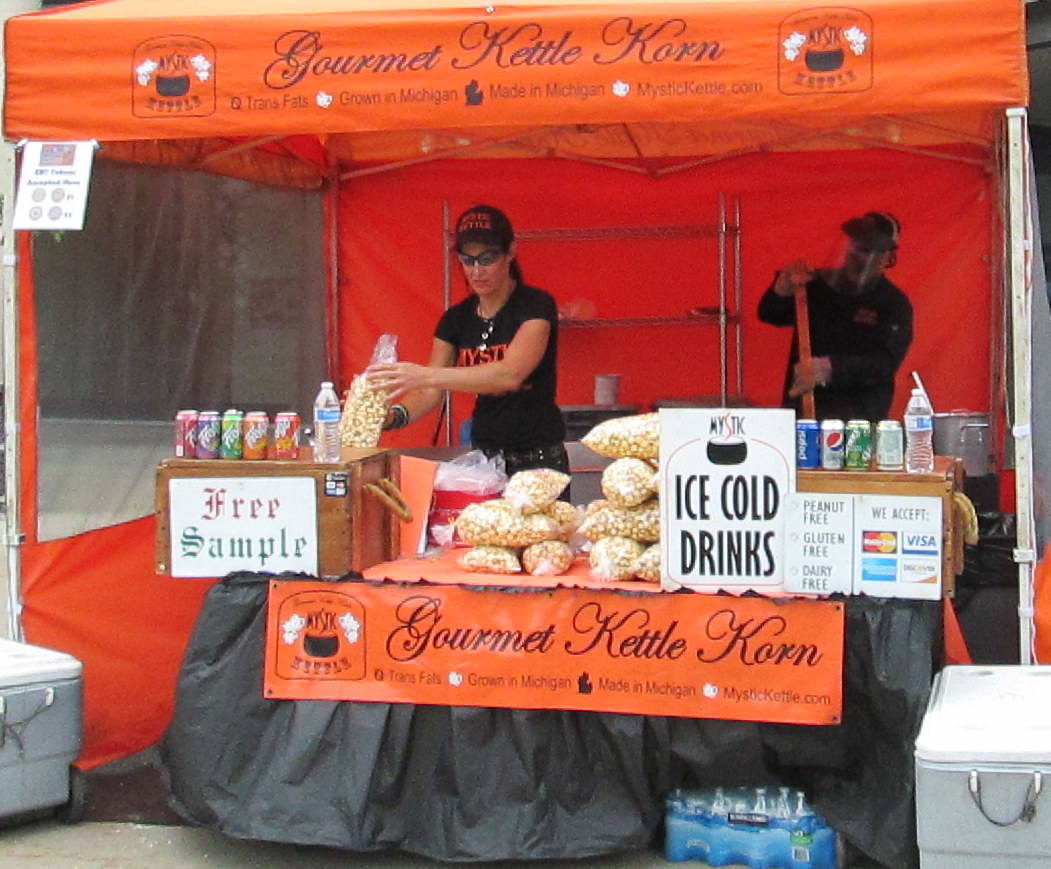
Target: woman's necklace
{"x":487,"y":329}
{"x":489,"y":323}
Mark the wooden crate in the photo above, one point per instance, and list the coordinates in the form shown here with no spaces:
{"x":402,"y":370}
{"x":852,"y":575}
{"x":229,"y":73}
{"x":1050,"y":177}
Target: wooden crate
{"x":943,"y":482}
{"x":354,"y":529}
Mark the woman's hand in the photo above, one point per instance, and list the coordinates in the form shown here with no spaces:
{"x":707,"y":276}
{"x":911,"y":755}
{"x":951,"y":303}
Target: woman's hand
{"x":397,"y":378}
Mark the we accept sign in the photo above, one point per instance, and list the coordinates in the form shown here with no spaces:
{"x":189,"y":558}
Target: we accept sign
{"x":725,"y":473}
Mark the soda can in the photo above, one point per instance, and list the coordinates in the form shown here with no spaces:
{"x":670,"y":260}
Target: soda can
{"x":286,"y":436}
{"x":186,"y":434}
{"x":208,"y":424}
{"x":231,"y":444}
{"x":808,"y":443}
{"x":255,"y":434}
{"x":890,"y":445}
{"x":858,"y":447}
{"x":832,"y":444}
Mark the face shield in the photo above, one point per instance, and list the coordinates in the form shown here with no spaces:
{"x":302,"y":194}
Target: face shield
{"x":853,"y":264}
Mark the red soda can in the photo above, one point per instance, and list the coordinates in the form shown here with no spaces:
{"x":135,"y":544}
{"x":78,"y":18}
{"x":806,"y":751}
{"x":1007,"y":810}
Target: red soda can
{"x":255,"y":434}
{"x":208,"y":423}
{"x":286,"y":436}
{"x":186,"y":434}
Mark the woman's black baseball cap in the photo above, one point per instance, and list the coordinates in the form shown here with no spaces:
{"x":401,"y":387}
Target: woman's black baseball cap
{"x":484,"y":224}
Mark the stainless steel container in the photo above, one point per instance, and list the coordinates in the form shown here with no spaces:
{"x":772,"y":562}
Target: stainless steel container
{"x":966,"y":435}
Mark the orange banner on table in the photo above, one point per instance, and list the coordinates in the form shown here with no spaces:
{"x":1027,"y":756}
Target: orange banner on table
{"x":691,"y":655}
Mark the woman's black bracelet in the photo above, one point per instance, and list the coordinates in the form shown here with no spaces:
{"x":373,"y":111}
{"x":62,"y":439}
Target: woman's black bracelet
{"x":399,"y":417}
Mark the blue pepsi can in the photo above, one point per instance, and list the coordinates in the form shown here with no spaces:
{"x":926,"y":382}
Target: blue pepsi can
{"x":808,"y":443}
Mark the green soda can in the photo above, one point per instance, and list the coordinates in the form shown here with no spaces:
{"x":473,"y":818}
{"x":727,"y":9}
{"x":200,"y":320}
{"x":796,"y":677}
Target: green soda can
{"x":231,"y":439}
{"x":858,"y":445}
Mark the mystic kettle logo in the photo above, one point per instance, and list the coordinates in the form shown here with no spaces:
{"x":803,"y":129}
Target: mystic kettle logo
{"x":825,"y":50}
{"x":173,"y":77}
{"x":322,"y":635}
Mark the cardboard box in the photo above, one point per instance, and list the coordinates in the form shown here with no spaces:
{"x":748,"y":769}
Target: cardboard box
{"x":215,"y":516}
{"x":41,"y":718}
{"x":983,"y":769}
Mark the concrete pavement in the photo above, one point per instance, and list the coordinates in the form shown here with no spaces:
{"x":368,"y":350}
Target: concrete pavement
{"x":47,"y":844}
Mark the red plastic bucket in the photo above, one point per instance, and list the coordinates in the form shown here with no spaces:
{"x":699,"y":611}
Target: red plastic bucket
{"x":446,"y":506}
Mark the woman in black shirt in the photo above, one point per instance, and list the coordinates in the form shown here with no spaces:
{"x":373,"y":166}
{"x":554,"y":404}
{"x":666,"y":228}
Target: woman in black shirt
{"x":501,"y":344}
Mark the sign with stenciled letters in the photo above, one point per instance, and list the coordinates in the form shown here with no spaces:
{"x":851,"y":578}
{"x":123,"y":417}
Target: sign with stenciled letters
{"x":223,"y":524}
{"x":724,"y":476}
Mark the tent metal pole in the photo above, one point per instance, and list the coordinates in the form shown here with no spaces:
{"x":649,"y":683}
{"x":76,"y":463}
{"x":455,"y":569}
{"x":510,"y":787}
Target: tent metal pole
{"x":447,"y":300}
{"x":333,"y":336}
{"x":1020,"y":248}
{"x":11,"y":501}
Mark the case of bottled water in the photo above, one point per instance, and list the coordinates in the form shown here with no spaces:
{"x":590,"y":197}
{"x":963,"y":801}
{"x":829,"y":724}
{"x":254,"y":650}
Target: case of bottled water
{"x":762,"y":828}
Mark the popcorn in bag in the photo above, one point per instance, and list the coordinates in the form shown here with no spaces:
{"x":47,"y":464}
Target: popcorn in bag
{"x":533,"y":490}
{"x":547,"y":558}
{"x":636,"y":436}
{"x":498,"y":523}
{"x":629,"y":481}
{"x":365,"y":406}
{"x":613,"y":558}
{"x":490,"y":559}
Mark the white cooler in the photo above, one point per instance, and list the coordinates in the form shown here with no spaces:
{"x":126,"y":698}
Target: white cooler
{"x":983,"y":769}
{"x":41,"y":714}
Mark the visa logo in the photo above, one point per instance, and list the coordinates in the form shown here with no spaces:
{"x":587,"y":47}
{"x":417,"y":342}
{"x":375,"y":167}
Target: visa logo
{"x":920,"y":544}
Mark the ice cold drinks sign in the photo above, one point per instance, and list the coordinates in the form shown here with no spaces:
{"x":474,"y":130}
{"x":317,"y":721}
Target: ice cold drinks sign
{"x":725,"y":473}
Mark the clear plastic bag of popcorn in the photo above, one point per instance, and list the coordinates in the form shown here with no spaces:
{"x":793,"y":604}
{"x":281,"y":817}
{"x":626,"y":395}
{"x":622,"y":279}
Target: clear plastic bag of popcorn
{"x":635,"y":436}
{"x":498,"y":523}
{"x":642,"y":522}
{"x":566,"y":515}
{"x":533,"y":490}
{"x":490,"y":559}
{"x":648,"y":565}
{"x":365,"y":406}
{"x":628,"y":481}
{"x":613,"y":559}
{"x":547,"y":558}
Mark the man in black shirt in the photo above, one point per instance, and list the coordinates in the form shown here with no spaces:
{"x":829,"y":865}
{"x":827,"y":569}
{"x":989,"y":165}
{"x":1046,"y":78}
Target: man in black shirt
{"x":860,"y":324}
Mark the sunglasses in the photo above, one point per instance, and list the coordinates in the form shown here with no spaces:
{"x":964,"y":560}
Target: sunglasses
{"x":484,"y":259}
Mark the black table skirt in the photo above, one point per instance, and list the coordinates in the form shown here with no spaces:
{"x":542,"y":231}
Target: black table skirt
{"x":477,"y":784}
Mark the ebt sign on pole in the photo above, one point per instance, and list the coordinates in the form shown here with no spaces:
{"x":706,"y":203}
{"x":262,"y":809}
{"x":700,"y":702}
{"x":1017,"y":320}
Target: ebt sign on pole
{"x":725,"y":473}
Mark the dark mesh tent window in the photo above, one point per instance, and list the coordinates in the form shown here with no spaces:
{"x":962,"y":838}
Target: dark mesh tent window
{"x":184,"y":290}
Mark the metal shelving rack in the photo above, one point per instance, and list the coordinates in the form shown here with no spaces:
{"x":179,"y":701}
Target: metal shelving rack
{"x":727,"y":233}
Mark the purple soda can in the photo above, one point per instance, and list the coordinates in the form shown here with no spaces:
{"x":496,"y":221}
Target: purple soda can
{"x":208,"y":424}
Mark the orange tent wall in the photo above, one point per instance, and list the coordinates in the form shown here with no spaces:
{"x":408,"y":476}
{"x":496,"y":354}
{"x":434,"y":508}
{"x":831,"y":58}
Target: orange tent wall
{"x":97,"y":595}
{"x":791,"y":205}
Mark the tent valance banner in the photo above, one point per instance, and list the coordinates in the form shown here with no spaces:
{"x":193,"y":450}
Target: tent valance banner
{"x":142,"y":69}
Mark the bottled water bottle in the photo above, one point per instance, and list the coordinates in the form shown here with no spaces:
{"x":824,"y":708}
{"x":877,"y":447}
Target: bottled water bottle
{"x":326,"y":424}
{"x":919,"y":434}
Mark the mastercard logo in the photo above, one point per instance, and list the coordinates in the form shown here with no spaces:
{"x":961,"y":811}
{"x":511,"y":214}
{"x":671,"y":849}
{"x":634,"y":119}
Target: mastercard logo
{"x":879,"y":541}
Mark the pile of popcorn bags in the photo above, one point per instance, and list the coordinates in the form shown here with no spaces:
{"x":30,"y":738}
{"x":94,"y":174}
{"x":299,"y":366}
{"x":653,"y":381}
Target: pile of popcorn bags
{"x":528,"y":529}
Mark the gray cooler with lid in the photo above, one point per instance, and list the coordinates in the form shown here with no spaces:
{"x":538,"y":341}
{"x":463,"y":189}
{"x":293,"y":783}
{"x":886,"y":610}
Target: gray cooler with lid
{"x":983,"y":769}
{"x":41,"y":714}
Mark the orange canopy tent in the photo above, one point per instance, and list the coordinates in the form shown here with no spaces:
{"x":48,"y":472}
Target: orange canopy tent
{"x":580,"y":114}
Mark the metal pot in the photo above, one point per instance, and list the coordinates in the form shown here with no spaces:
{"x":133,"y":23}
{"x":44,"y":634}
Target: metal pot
{"x":965,"y":434}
